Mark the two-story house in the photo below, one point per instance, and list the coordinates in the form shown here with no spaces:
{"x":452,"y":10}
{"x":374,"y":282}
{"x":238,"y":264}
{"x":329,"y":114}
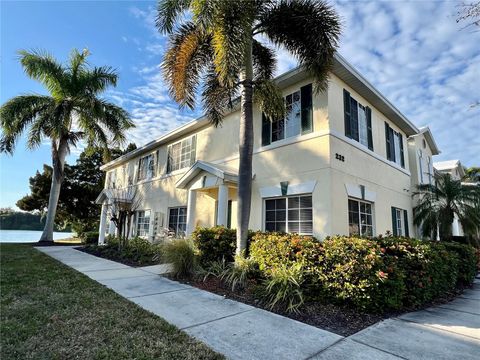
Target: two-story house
{"x":340,"y":162}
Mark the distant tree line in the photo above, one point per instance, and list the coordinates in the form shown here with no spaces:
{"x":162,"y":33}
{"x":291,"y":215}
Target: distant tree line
{"x":18,"y":220}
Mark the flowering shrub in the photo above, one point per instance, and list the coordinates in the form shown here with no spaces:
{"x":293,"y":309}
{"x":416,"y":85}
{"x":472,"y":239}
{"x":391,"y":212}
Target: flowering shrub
{"x":378,"y":274}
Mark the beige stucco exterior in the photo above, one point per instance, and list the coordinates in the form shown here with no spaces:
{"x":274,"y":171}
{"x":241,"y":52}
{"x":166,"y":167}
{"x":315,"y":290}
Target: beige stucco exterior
{"x":307,"y":162}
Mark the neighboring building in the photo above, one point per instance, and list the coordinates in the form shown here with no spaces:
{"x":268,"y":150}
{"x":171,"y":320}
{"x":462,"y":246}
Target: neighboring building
{"x":457,"y":172}
{"x":343,"y":161}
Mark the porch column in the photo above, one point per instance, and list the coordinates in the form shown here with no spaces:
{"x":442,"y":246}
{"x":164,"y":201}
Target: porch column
{"x":103,"y":224}
{"x":455,"y":226}
{"x":191,"y":203}
{"x":222,"y":205}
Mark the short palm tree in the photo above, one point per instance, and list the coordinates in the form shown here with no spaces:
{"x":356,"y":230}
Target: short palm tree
{"x":439,"y":204}
{"x":220,"y":45}
{"x":73,"y":111}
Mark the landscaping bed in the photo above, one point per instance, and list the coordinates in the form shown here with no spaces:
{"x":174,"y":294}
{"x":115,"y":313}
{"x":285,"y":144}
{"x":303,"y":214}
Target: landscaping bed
{"x":342,"y":284}
{"x":50,"y":311}
{"x":137,"y":252}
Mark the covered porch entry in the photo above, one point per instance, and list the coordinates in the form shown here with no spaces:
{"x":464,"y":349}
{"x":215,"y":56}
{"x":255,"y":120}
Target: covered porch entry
{"x":212,"y":195}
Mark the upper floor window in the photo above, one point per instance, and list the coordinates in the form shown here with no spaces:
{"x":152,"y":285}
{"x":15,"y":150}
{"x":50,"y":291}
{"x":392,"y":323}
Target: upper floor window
{"x":181,"y":154}
{"x":420,"y":165}
{"x":291,"y":214}
{"x":358,"y":121}
{"x":394,"y":145}
{"x":146,"y":167}
{"x":112,"y":179}
{"x":298,"y":118}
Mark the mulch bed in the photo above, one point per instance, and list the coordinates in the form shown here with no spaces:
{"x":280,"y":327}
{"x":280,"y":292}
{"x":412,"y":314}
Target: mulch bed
{"x":337,"y":319}
{"x":340,"y":320}
{"x":115,"y":256}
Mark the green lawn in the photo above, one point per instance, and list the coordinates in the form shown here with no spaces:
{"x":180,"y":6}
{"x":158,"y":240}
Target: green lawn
{"x":49,"y":311}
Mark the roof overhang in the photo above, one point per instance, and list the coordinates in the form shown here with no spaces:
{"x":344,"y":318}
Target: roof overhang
{"x":221,"y":172}
{"x":427,"y":133}
{"x":114,"y":195}
{"x":341,"y":68}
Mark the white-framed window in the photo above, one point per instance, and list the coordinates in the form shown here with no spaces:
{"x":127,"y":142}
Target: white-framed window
{"x":112,"y":179}
{"x":360,"y":217}
{"x":146,"y":167}
{"x":399,"y":222}
{"x":143,"y":223}
{"x":358,"y":120}
{"x":430,"y":169}
{"x":181,"y":154}
{"x":291,"y":125}
{"x":292,"y":214}
{"x":394,"y":146}
{"x":177,"y":220}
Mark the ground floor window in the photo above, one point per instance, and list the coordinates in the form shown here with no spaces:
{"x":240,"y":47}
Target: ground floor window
{"x":399,"y":222}
{"x":177,"y":220}
{"x":291,"y":214}
{"x":143,"y":222}
{"x":360,"y":220}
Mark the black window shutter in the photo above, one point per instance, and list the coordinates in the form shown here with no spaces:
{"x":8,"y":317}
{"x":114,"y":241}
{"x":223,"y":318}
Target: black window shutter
{"x":394,"y":221}
{"x":354,"y":119}
{"x":387,"y":141}
{"x":266,"y":130}
{"x":169,"y":160}
{"x":405,"y":217}
{"x":402,"y":158}
{"x":193,"y":154}
{"x":369,"y":127}
{"x":347,"y":113}
{"x":307,"y":108}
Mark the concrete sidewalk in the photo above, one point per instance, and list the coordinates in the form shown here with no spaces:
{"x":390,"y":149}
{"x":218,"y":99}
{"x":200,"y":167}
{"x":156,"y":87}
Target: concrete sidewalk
{"x":241,"y":331}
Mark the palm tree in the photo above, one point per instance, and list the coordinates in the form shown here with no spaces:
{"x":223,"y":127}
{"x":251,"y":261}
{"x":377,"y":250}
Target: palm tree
{"x":220,"y":46}
{"x":72,"y":112}
{"x":439,"y":204}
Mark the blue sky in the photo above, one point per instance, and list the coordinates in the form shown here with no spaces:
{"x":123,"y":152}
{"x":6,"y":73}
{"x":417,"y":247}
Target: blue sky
{"x":413,"y":52}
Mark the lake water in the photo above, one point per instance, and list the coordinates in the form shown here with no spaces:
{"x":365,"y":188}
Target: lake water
{"x":26,"y":236}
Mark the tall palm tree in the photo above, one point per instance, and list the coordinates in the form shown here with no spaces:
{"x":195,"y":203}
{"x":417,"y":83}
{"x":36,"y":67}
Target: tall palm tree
{"x":439,"y":204}
{"x":72,"y":112}
{"x":220,"y":43}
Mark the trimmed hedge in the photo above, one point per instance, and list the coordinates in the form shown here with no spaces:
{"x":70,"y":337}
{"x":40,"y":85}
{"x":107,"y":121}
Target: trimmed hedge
{"x":89,"y":237}
{"x":379,"y":274}
{"x":216,"y":243}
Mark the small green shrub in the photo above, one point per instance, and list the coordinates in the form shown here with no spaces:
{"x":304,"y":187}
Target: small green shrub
{"x":467,"y":266}
{"x":283,"y":288}
{"x":89,"y":237}
{"x":180,"y":253}
{"x":273,"y":250}
{"x":353,"y":271}
{"x":214,"y":244}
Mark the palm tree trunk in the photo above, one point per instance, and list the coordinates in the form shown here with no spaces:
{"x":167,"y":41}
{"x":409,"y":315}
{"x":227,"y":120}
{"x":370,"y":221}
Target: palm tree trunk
{"x":58,"y":160}
{"x":245,"y":152}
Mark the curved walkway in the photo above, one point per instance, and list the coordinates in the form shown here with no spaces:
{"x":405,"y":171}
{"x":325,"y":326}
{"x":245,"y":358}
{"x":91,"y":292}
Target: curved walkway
{"x":241,"y":331}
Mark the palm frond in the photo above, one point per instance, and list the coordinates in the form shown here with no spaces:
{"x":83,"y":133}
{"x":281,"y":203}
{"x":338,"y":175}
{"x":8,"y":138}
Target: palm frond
{"x":269,"y":97}
{"x":309,"y":30}
{"x":188,"y":55}
{"x":232,"y":32}
{"x":17,"y":114}
{"x":98,"y":79}
{"x":216,"y":98}
{"x":42,"y":66}
{"x":168,"y":12}
{"x":264,"y":61}
{"x":78,"y":60}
